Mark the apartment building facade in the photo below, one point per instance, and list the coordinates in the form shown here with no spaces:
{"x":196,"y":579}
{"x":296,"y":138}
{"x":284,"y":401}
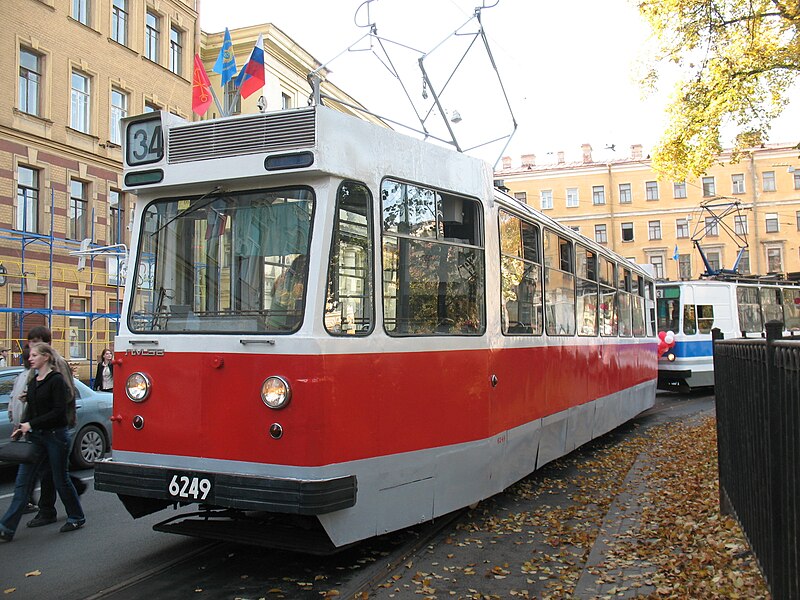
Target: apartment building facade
{"x":622,"y":203}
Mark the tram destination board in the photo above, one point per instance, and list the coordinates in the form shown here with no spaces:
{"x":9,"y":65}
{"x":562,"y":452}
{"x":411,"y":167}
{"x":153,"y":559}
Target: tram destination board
{"x":189,"y":486}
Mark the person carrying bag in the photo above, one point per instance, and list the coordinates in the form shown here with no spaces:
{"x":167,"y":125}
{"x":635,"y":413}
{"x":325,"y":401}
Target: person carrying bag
{"x":46,"y":427}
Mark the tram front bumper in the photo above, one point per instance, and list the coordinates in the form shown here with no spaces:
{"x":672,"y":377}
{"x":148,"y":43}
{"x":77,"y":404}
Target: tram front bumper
{"x":146,"y":489}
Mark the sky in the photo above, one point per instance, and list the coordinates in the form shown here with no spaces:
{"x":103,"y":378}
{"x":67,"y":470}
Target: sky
{"x":569,"y":68}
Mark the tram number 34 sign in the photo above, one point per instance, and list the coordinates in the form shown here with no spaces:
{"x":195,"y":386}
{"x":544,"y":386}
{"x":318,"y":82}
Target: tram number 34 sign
{"x":190,"y":487}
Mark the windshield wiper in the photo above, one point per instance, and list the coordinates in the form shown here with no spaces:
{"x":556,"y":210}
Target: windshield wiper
{"x":199,"y":204}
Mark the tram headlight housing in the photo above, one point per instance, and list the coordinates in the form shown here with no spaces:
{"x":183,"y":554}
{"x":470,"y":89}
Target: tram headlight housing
{"x":137,"y":387}
{"x":276,"y":392}
{"x":671,"y":357}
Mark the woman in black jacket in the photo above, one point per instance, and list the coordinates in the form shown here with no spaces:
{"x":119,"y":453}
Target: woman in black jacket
{"x":46,"y":426}
{"x":104,"y":377}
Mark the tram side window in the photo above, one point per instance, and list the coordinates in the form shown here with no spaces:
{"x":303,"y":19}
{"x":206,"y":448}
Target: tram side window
{"x":433,"y":262}
{"x":588,"y":291}
{"x":637,"y":308}
{"x":559,"y":285}
{"x":689,"y":319}
{"x":791,"y":308}
{"x":749,"y":309}
{"x":705,"y":318}
{"x":608,"y":298}
{"x":771,"y":304}
{"x":521,"y":276}
{"x":348,"y":299}
{"x":625,"y":303}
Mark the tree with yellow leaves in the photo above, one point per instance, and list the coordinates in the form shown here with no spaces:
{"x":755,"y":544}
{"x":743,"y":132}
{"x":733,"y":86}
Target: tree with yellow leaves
{"x":738,"y":60}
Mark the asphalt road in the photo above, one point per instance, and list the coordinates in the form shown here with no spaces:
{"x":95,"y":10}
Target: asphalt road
{"x":113,"y":549}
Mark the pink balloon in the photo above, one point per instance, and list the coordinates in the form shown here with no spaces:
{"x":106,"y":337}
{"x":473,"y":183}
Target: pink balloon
{"x":662,"y":335}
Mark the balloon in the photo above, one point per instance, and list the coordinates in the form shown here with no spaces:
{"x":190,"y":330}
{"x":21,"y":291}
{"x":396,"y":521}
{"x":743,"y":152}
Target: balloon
{"x":662,"y":335}
{"x":669,"y":338}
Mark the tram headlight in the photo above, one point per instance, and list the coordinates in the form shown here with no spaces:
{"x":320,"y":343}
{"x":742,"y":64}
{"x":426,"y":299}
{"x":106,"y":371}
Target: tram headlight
{"x":671,"y":357}
{"x":275,"y":392}
{"x":137,"y":387}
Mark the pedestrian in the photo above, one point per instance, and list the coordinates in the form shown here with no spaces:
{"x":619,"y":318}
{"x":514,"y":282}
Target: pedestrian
{"x":47,"y":495}
{"x":104,"y":378}
{"x":4,"y":357}
{"x":16,"y":407}
{"x":46,"y":427}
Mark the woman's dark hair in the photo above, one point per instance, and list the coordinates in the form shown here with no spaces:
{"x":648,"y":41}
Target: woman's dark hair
{"x":26,"y":355}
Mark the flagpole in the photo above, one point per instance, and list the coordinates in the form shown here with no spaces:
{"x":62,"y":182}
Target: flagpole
{"x":216,"y":101}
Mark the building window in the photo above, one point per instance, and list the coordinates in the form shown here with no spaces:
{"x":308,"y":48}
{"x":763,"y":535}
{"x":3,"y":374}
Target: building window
{"x":774,"y":260}
{"x":81,"y":101}
{"x":150,"y":107}
{"x":233,"y":101}
{"x":744,"y":263}
{"x":175,"y":50}
{"x":797,"y":179}
{"x":286,"y":101}
{"x":152,"y":34}
{"x":572,"y":197}
{"x":737,"y":183}
{"x":627,"y":232}
{"x":679,"y":189}
{"x":521,"y":196}
{"x":546,"y":197}
{"x":625,"y":193}
{"x":654,"y":230}
{"x":658,"y":265}
{"x":119,"y":22}
{"x":713,"y":260}
{"x":797,"y":216}
{"x":651,"y":190}
{"x":116,"y":221}
{"x":78,"y":327}
{"x":712,"y":226}
{"x":772,"y":223}
{"x":575,"y":228}
{"x":119,"y":110}
{"x":685,"y":266}
{"x":600,"y":234}
{"x":30,"y":81}
{"x":27,"y":214}
{"x":598,"y":195}
{"x":681,"y":228}
{"x":78,"y":205}
{"x":740,"y":224}
{"x":768,"y":181}
{"x":709,"y":188}
{"x":80,"y":11}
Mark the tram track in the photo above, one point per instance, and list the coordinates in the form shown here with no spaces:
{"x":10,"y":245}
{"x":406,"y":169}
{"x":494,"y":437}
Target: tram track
{"x":228,"y":570}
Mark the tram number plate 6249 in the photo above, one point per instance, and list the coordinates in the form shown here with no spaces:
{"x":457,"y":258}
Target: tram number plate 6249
{"x":189,"y":487}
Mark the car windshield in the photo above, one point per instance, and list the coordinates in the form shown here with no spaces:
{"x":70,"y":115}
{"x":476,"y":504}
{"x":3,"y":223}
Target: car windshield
{"x":223,"y":262}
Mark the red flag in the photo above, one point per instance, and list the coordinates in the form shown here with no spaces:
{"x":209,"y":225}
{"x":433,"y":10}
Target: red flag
{"x":201,"y":88}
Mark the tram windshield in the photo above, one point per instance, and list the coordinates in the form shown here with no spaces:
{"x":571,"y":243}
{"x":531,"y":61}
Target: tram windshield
{"x":225,"y":262}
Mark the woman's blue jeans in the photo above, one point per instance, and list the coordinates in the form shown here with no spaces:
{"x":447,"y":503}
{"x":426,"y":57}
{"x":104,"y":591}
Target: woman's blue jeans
{"x":55,"y":446}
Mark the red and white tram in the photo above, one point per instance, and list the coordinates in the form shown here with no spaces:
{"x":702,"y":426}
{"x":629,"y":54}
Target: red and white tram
{"x":328,"y":319}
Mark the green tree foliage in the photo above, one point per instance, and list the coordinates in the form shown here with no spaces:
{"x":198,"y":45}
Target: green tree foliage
{"x":737,"y":59}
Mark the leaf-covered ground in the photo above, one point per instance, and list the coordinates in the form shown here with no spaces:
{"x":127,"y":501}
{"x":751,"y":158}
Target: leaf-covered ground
{"x":630,"y":516}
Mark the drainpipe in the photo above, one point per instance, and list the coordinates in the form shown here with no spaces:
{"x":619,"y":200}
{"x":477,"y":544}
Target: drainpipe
{"x":756,"y":247}
{"x":612,"y":238}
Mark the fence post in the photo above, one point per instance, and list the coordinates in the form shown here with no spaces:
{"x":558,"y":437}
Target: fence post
{"x":725,"y":507}
{"x":774,"y":330}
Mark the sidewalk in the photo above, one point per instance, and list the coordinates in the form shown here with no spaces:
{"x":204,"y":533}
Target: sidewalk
{"x":633,"y":515}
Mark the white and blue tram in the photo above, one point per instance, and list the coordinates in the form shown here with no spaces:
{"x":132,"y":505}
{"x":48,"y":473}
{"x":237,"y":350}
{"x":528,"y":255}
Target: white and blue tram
{"x":738,"y":307}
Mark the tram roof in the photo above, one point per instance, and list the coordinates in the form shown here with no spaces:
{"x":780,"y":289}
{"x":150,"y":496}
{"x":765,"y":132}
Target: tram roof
{"x":322,"y":141}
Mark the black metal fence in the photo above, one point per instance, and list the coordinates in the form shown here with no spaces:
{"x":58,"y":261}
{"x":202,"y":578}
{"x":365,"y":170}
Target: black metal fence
{"x":757,"y":387}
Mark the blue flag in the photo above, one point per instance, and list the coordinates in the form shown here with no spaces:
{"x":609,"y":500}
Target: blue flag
{"x":675,"y":255}
{"x":226,"y":61}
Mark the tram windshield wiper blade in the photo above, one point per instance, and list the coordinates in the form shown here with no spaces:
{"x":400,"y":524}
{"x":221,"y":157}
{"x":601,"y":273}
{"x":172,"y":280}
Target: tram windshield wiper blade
{"x":197,"y":206}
